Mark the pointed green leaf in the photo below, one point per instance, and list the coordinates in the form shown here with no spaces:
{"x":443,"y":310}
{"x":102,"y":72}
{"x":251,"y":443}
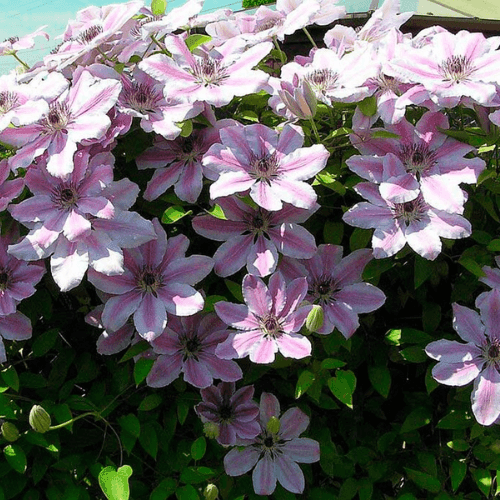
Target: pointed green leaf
{"x":306,"y":379}
{"x":198,"y":448}
{"x":193,"y":41}
{"x":15,"y":457}
{"x":142,"y":369}
{"x":114,"y":483}
{"x":380,"y":378}
{"x":11,"y":378}
{"x":343,"y":386}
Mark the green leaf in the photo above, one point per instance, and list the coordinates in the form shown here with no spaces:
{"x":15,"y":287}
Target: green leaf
{"x":306,"y":379}
{"x":458,"y":445}
{"x":131,"y":424}
{"x":174,"y":214}
{"x":368,"y":106}
{"x":198,"y":448}
{"x":150,"y":402}
{"x":195,"y":475}
{"x":414,"y":354}
{"x":235,"y":289}
{"x":365,"y":489}
{"x":193,"y":41}
{"x":166,"y":488}
{"x":217,"y":212}
{"x":342,"y":131}
{"x":114,"y":483}
{"x":423,"y":270}
{"x":472,"y":266}
{"x":332,"y":364}
{"x":431,"y":316}
{"x":417,"y":418}
{"x":15,"y":457}
{"x":186,"y":493}
{"x":343,"y":386}
{"x":134,"y":350}
{"x":248,"y":114}
{"x":359,"y":238}
{"x":456,"y":420}
{"x":45,"y":342}
{"x":333,"y":232}
{"x":424,"y":480}
{"x":494,"y":245}
{"x":158,"y":7}
{"x":11,"y":378}
{"x":380,"y":378}
{"x":182,"y":411}
{"x":149,"y":440}
{"x":384,"y":134}
{"x":142,"y":369}
{"x":348,"y":489}
{"x":482,"y":477}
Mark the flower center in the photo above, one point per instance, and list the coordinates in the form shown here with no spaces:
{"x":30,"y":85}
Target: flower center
{"x":12,"y":39}
{"x":191,"y":346}
{"x":270,"y":23}
{"x":410,"y":211}
{"x":322,"y":80}
{"x":4,"y":280}
{"x":65,"y":197}
{"x":456,"y":69}
{"x":417,"y":158}
{"x":149,"y":281}
{"x":324,"y":288}
{"x":8,"y":100}
{"x":264,"y":168}
{"x":225,"y":412}
{"x":388,"y":84}
{"x":143,"y":98}
{"x":492,"y":352}
{"x":89,"y":34}
{"x":271,"y":326}
{"x":136,"y":31}
{"x":208,"y":71}
{"x":57,"y":118}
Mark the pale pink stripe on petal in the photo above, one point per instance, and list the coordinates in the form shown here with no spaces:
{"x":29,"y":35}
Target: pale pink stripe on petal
{"x":486,"y":396}
{"x":289,"y":474}
{"x":264,"y":476}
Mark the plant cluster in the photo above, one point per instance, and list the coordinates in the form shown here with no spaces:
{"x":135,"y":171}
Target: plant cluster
{"x":206,"y":247}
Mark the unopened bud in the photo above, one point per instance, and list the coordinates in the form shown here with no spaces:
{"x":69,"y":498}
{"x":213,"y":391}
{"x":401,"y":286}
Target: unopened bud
{"x":211,"y":492}
{"x":273,"y":425}
{"x":211,"y":430}
{"x":39,"y":419}
{"x":10,"y":432}
{"x":314,"y":320}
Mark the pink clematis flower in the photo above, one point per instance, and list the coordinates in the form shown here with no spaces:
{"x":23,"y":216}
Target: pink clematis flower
{"x":254,"y":236}
{"x":478,"y":360}
{"x":188,"y":345}
{"x":413,"y":222}
{"x":272,"y":166}
{"x":68,"y":120}
{"x":335,"y":284}
{"x":13,"y":44}
{"x":427,"y":155}
{"x":276,"y":451}
{"x":214,"y":77}
{"x":269,"y":321}
{"x":234,"y":413}
{"x":157,"y":279}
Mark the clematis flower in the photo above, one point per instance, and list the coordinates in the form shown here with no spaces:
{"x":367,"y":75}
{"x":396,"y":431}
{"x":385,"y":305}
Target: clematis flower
{"x":68,"y":120}
{"x":254,"y":236}
{"x":272,"y":166}
{"x":214,"y":77}
{"x":81,"y":220}
{"x":8,"y":189}
{"x":13,"y":44}
{"x":157,"y":279}
{"x":187,"y":345}
{"x":269,"y":321}
{"x":396,"y":224}
{"x":335,"y":284}
{"x":234,"y":413}
{"x":492,"y":278}
{"x":478,"y":360}
{"x":178,"y":163}
{"x":275,"y":453}
{"x":429,"y":156}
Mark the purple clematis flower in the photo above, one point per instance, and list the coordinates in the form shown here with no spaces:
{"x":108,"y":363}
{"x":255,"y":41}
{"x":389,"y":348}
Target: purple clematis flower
{"x":188,"y":345}
{"x":269,"y":321}
{"x":272,"y":166}
{"x":13,"y":327}
{"x":275,"y":453}
{"x":335,"y":284}
{"x":413,"y":222}
{"x":254,"y":236}
{"x":68,"y":120}
{"x":157,"y":279}
{"x":234,"y":413}
{"x":478,"y":360}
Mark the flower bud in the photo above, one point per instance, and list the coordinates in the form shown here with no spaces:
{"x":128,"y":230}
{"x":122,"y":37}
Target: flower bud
{"x":302,"y":103}
{"x":273,"y":425}
{"x":211,"y":492}
{"x":39,"y":419}
{"x":314,"y":320}
{"x":211,"y":430}
{"x":10,"y":432}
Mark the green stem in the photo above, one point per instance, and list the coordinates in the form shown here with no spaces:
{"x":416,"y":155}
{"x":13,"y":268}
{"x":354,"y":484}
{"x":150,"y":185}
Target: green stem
{"x":315,"y":129}
{"x":159,"y":45}
{"x":279,"y":50}
{"x":310,"y":37}
{"x":22,"y":62}
{"x":83,"y":415}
